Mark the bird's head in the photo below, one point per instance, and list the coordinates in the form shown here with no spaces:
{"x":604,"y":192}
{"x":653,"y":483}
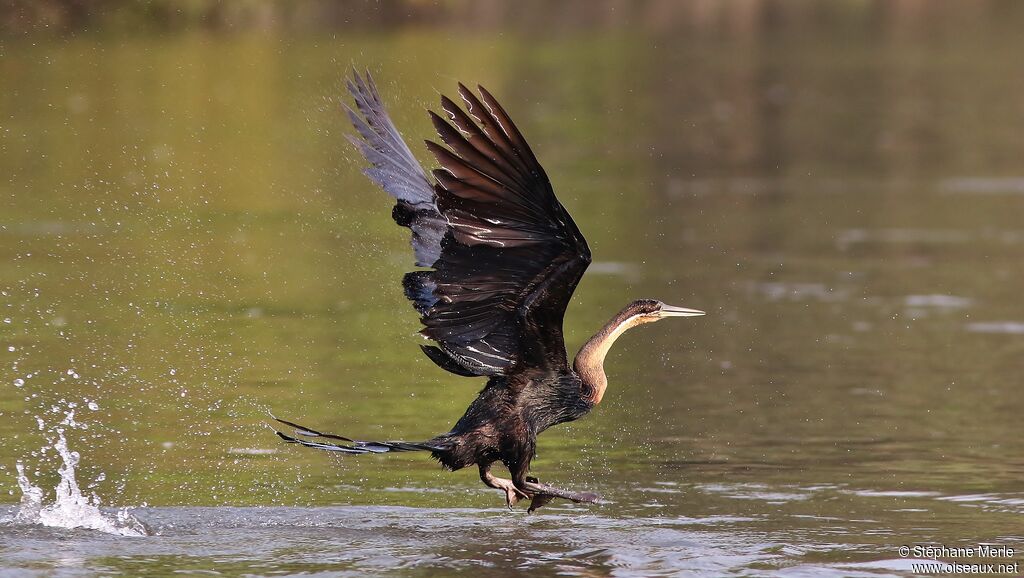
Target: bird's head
{"x":589,"y":362}
{"x":650,"y":310}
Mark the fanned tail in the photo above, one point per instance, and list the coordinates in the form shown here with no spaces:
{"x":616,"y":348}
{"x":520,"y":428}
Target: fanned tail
{"x":346,"y":445}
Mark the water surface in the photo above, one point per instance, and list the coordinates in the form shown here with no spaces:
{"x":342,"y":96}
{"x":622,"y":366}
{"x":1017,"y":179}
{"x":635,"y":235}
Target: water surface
{"x":186,"y":243}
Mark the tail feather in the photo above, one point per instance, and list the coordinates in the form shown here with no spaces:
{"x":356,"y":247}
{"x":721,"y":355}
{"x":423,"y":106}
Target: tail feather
{"x":348,"y":445}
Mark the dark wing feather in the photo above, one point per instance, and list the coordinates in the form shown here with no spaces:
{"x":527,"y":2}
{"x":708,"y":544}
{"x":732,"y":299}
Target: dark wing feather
{"x":509,"y":256}
{"x":514,"y":257}
{"x":396,"y":170}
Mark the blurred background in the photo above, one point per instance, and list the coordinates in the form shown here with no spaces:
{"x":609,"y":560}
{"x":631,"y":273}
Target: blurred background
{"x":187,"y":243}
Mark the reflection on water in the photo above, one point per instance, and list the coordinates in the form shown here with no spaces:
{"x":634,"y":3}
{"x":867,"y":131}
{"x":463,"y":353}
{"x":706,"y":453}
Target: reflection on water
{"x":982,"y":185}
{"x":186,"y":240}
{"x":370,"y":539}
{"x":638,"y":540}
{"x":996,"y":327}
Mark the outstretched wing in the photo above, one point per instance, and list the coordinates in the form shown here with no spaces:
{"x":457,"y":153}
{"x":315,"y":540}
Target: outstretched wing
{"x":510,"y":256}
{"x":395,"y":170}
{"x":513,"y":256}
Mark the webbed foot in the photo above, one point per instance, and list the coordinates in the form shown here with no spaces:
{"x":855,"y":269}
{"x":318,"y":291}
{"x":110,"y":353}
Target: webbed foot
{"x":542,"y":494}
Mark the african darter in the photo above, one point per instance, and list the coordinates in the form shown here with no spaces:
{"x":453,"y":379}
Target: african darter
{"x":502,"y":259}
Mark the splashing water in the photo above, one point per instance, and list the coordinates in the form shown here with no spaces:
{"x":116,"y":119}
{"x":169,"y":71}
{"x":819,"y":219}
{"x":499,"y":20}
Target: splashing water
{"x":70,"y":508}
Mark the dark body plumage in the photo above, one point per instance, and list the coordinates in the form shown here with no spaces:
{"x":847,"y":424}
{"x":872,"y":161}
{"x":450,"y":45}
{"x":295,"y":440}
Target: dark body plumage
{"x":502,"y":258}
{"x":503,"y":422}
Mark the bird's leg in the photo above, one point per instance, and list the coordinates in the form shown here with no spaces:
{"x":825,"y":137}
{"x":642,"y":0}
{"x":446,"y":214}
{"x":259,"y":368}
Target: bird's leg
{"x":512,"y":493}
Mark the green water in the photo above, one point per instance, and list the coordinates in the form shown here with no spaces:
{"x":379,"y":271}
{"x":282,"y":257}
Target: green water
{"x":186,"y":242}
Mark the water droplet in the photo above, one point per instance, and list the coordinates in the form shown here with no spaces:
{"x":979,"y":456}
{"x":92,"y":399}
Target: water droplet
{"x":19,"y":382}
{"x":10,"y":348}
{"x":93,"y":405}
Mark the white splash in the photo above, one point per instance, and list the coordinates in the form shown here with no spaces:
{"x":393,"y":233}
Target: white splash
{"x":70,"y":508}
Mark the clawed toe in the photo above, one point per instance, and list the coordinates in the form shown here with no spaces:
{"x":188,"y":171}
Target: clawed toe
{"x":513,"y":495}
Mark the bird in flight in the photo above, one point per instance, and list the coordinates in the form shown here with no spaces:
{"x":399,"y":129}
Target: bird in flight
{"x":501,"y":258}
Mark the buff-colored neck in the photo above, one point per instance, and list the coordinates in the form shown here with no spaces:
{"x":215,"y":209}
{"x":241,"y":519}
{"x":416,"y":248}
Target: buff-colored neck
{"x":589,"y":362}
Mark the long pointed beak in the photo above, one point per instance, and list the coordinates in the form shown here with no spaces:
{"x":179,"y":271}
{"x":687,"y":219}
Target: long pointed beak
{"x":672,"y":311}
